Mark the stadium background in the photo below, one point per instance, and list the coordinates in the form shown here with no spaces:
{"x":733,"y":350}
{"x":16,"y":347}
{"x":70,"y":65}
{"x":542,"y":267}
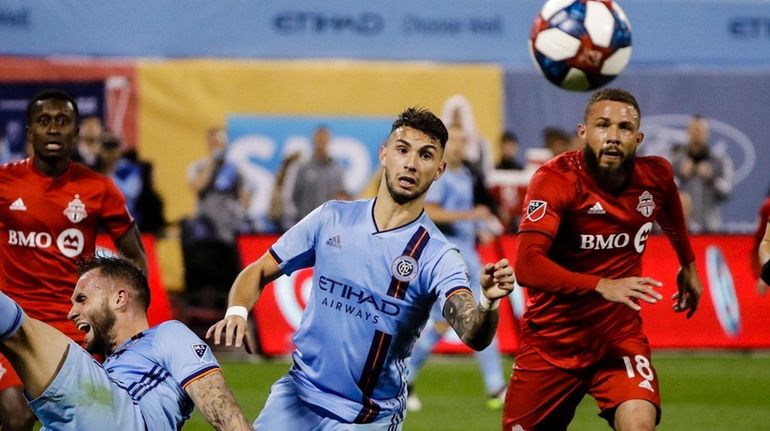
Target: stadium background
{"x":161,"y":78}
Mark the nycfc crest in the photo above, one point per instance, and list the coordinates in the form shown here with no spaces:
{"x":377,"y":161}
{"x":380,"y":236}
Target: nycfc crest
{"x":404,"y":268}
{"x":76,"y":210}
{"x":646,"y":204}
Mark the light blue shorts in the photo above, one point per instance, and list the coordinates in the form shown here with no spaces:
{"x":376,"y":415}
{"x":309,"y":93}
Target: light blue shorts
{"x":82,"y":397}
{"x":284,"y":411}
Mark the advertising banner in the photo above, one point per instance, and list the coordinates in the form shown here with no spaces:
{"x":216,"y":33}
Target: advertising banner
{"x":258,"y":145}
{"x":730,"y":315}
{"x":665,"y":31}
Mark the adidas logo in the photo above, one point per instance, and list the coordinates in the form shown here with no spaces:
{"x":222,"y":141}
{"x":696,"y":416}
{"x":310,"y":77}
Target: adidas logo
{"x":18,"y":205}
{"x":646,"y":385}
{"x":334,"y":241}
{"x":597,"y":209}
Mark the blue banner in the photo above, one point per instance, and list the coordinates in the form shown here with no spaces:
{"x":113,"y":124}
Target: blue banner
{"x":258,"y":145}
{"x":496,"y":31}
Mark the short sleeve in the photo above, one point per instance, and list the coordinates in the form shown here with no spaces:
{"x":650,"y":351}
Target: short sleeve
{"x":450,"y":276}
{"x":115,"y":217}
{"x":546,"y":200}
{"x":295,"y":249}
{"x":185,"y":356}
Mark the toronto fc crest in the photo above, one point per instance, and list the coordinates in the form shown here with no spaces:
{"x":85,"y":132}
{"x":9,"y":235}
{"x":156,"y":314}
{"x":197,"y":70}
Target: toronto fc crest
{"x":646,"y":204}
{"x":76,"y":210}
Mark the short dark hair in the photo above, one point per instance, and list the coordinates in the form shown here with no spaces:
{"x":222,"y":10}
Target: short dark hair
{"x":425,"y":121}
{"x":121,"y":269}
{"x":615,"y":95}
{"x":52,"y":94}
{"x":509,"y":136}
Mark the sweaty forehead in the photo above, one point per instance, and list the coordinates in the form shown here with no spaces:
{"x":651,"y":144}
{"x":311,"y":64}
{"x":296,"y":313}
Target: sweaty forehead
{"x":613,"y":109}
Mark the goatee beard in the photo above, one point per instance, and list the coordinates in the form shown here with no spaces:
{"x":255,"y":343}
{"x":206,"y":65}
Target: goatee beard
{"x":610,"y":179}
{"x":401,"y":198}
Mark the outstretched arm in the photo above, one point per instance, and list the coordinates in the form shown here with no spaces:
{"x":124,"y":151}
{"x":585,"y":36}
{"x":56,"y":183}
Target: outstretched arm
{"x":476,"y":324}
{"x":35,"y":349}
{"x":217,"y":403}
{"x":243,"y":295}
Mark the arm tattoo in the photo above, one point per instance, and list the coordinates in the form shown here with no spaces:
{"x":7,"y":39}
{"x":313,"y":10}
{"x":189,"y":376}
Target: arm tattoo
{"x":217,"y":403}
{"x":475,"y":327}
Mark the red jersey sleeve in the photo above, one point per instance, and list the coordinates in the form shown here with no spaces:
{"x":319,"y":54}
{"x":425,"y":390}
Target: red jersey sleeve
{"x":549,"y":194}
{"x":115,"y":218}
{"x":671,"y":218}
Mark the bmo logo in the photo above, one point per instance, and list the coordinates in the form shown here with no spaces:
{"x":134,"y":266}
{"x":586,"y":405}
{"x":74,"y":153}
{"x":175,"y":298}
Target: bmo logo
{"x":616,"y":240}
{"x":70,"y":241}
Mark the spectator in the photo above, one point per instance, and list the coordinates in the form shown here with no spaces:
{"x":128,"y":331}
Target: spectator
{"x":557,"y":140}
{"x":150,"y":203}
{"x":509,"y":150}
{"x":126,"y":174}
{"x":705,"y":177}
{"x":458,"y":112}
{"x":88,"y":145}
{"x":282,"y":212}
{"x":319,"y":179}
{"x":209,"y":247}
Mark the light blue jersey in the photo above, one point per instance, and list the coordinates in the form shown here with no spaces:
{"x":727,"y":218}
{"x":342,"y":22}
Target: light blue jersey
{"x":139,"y":387}
{"x":155,"y":366}
{"x":372,"y":291}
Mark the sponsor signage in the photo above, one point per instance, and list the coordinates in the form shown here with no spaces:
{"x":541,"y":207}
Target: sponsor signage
{"x":730,"y":314}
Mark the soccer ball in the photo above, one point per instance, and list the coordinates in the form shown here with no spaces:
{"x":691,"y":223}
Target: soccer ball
{"x":580,"y":45}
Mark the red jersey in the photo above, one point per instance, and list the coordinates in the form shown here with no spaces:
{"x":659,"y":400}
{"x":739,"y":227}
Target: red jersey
{"x":47,"y":225}
{"x":759,"y":233}
{"x":600,"y":235}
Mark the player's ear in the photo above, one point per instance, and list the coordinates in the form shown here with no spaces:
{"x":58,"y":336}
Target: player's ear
{"x":121,"y":298}
{"x":639,"y":138}
{"x":439,"y":171}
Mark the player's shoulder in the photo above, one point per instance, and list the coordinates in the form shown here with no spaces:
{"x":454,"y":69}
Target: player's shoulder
{"x":565,"y":165}
{"x":79,"y":171}
{"x":345,"y":211}
{"x":655,"y":165}
{"x":16,"y":169}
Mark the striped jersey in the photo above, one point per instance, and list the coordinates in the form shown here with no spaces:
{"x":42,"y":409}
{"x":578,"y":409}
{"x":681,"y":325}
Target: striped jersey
{"x":372,"y":292}
{"x":155,"y":366}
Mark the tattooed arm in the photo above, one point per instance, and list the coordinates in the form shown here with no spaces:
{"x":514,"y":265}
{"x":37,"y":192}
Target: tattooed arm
{"x":476,"y":324}
{"x":217,"y":403}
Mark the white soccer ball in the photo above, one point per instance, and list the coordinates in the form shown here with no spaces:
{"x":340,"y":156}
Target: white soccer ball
{"x":580,"y":45}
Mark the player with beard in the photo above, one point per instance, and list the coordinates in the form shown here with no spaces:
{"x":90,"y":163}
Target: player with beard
{"x":587,"y":217}
{"x":379,"y":265}
{"x":152,"y":377}
{"x":50,"y":212}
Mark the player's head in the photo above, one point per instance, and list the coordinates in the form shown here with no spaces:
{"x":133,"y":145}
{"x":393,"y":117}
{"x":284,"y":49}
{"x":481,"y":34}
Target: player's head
{"x":52,"y":124}
{"x":610,"y":134}
{"x":108,"y":289}
{"x":412,"y":155}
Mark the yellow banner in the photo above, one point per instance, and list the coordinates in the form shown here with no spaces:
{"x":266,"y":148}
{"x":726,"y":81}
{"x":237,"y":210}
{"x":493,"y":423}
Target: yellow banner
{"x":180,"y":100}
